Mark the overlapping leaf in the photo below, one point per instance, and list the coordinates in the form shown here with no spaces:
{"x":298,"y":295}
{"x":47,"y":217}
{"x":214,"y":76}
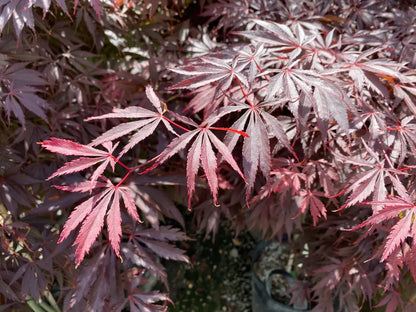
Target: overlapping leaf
{"x":18,"y":88}
{"x":305,"y":90}
{"x":21,"y":13}
{"x":139,"y":300}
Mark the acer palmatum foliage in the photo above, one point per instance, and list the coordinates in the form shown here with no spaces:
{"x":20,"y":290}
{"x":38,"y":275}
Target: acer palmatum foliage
{"x":289,"y":118}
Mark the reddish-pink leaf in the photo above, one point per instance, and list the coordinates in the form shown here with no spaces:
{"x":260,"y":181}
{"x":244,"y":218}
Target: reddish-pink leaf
{"x":67,"y":147}
{"x":129,"y":203}
{"x":225,"y":152}
{"x":120,"y":130}
{"x":151,"y":95}
{"x":128,"y":112}
{"x":317,"y":208}
{"x":253,"y":149}
{"x":192,"y":166}
{"x":75,"y":166}
{"x":80,"y":213}
{"x":81,"y":187}
{"x":114,"y":223}
{"x":140,"y":135}
{"x":71,"y":148}
{"x":410,"y":260}
{"x":91,"y":227}
{"x":399,"y":232}
{"x":392,"y":209}
{"x":209,"y":163}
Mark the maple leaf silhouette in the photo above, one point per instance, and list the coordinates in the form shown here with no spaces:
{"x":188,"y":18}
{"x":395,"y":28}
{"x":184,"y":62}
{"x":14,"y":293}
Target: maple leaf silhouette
{"x":18,"y":87}
{"x":151,"y":244}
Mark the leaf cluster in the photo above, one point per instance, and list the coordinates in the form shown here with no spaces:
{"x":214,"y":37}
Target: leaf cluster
{"x":289,"y":118}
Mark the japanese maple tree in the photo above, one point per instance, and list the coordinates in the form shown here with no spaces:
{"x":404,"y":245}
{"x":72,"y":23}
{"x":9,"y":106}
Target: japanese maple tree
{"x":289,"y":118}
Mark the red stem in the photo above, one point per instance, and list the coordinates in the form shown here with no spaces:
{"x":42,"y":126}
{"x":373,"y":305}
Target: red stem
{"x":244,"y":93}
{"x":124,"y":179}
{"x":175,"y":124}
{"x":261,"y":70}
{"x":229,"y":129}
{"x":119,"y":162}
{"x":404,"y":169}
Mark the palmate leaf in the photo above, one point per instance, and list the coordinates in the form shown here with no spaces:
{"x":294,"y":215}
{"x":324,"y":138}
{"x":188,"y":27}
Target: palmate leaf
{"x":280,"y":36}
{"x":305,"y":90}
{"x":93,"y":284}
{"x":399,"y":208}
{"x":157,"y":241}
{"x":209,"y":69}
{"x":251,"y":56}
{"x":372,"y":181}
{"x":146,"y":245}
{"x":20,"y":11}
{"x":32,"y":279}
{"x":92,"y":212}
{"x":142,"y":301}
{"x":316,"y":207}
{"x":402,"y":138}
{"x":368,"y":73}
{"x":18,"y":88}
{"x":259,"y":125}
{"x":201,"y":154}
{"x":146,"y":126}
